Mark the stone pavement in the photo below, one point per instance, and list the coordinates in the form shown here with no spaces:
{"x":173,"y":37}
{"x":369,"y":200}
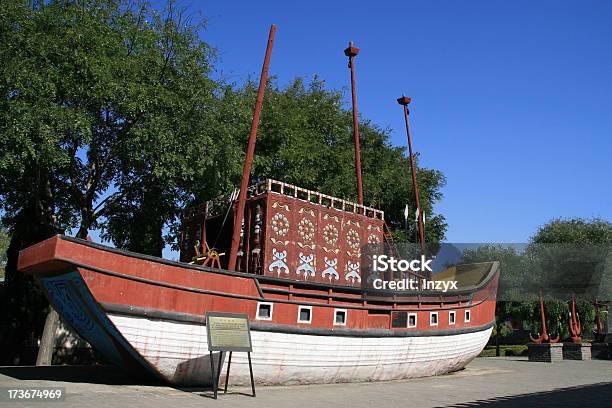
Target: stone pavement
{"x":486,"y":382}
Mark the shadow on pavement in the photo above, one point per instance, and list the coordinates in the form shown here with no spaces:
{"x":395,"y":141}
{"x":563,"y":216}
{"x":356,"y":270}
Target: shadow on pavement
{"x":98,"y":374}
{"x":592,"y":396}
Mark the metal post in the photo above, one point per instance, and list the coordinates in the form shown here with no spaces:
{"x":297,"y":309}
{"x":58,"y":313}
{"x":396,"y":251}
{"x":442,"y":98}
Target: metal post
{"x":404,"y":101}
{"x":352,"y":52}
{"x":250,"y":152}
{"x":219,"y":367}
{"x":251,"y":372}
{"x":213,"y":377}
{"x":229,"y":363}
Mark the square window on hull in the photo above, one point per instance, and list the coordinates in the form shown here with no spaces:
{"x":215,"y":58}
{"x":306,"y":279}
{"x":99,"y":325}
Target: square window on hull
{"x":305,"y":314}
{"x":340,"y":318}
{"x":433,"y":319}
{"x":412,"y":320}
{"x":264,"y":311}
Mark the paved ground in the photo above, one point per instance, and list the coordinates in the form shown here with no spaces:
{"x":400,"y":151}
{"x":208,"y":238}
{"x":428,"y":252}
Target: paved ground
{"x":487,"y":382}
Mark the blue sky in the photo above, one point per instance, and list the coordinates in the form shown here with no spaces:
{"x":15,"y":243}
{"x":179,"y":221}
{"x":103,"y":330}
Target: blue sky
{"x":511,"y":100}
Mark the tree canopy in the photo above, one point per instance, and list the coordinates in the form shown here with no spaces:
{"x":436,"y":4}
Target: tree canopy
{"x":103,"y":100}
{"x":104,"y":105}
{"x":574,"y":231}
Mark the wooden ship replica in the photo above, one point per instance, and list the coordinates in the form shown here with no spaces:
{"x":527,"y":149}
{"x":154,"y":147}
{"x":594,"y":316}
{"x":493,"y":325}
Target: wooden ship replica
{"x":292,"y":264}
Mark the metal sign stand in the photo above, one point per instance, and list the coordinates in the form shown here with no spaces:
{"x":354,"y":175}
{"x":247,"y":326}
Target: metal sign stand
{"x":236,"y":337}
{"x":215,"y":378}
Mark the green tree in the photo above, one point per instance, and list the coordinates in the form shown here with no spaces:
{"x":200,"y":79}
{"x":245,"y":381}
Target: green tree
{"x":574,"y":231}
{"x":101,"y":102}
{"x":174,"y":146}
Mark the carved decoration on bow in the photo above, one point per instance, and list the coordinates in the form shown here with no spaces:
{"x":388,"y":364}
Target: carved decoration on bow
{"x":352,"y":272}
{"x":276,"y":204}
{"x":279,"y":262}
{"x":307,"y":266}
{"x":331,"y":269}
{"x":279,"y":241}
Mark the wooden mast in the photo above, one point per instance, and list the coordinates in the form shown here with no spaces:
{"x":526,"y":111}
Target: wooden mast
{"x":404,"y":101}
{"x":352,"y":52}
{"x":239,"y":214}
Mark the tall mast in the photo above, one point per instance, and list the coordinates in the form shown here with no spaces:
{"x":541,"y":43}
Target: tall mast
{"x":352,"y":52}
{"x":404,"y":101}
{"x":239,"y":215}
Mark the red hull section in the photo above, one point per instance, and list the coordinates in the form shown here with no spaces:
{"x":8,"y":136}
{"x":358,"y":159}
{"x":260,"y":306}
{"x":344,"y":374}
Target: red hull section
{"x":118,"y":278}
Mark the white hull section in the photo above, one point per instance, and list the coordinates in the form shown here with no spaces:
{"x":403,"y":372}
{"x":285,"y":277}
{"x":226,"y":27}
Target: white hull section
{"x":179,"y":351}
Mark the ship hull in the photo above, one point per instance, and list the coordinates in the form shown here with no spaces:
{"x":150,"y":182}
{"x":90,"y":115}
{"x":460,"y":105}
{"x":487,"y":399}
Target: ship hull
{"x":146,"y":315}
{"x":179,"y":352}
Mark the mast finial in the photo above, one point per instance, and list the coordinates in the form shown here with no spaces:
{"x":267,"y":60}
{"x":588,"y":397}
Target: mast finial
{"x":404,"y":100}
{"x":351,"y":51}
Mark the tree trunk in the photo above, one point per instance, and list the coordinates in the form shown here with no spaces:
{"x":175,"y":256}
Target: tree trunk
{"x":24,"y":305}
{"x":146,"y":228}
{"x":87,"y":219}
{"x":47,"y":341}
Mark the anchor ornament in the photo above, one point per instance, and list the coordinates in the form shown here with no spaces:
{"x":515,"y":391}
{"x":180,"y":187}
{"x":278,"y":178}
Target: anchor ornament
{"x":544,"y":337}
{"x":575,"y":327}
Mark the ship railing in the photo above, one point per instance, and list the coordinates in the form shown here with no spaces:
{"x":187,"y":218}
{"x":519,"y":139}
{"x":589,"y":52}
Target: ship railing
{"x":314,"y":197}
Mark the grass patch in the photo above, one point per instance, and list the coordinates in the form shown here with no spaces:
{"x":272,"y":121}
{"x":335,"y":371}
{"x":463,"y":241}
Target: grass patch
{"x":507,"y":351}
